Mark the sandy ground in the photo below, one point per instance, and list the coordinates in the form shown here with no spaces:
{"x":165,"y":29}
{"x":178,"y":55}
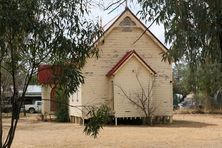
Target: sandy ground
{"x":187,"y":131}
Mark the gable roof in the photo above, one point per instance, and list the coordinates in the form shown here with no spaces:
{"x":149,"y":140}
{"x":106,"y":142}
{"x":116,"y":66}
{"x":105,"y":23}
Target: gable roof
{"x":47,"y":73}
{"x":44,"y":74}
{"x":145,"y":29}
{"x":124,"y":60}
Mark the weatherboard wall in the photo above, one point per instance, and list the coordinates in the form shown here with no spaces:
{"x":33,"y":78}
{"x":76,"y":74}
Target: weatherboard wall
{"x":46,"y":92}
{"x":128,"y":84}
{"x":98,"y":88}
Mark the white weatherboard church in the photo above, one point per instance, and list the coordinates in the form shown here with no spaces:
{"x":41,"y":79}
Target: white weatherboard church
{"x":121,"y":63}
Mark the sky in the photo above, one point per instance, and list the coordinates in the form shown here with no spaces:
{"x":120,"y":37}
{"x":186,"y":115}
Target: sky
{"x":97,"y":12}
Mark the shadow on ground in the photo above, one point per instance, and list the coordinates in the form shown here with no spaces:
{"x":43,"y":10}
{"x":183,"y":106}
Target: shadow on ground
{"x":175,"y":124}
{"x":185,"y":124}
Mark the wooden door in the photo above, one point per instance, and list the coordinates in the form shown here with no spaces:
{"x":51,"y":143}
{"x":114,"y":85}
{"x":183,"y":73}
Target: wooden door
{"x":53,"y":103}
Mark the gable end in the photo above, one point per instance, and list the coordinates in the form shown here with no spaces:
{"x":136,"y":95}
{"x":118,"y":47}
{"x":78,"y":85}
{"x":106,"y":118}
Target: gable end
{"x":124,"y":60}
{"x":141,"y":25}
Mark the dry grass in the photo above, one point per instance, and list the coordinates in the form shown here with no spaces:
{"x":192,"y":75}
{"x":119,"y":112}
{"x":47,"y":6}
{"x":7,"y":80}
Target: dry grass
{"x":188,"y":130}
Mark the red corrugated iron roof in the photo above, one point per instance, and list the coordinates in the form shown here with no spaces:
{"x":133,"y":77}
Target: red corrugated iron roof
{"x":123,"y":60}
{"x":47,"y":73}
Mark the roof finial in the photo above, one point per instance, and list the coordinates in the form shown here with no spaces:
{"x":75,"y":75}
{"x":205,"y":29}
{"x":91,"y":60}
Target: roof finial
{"x":101,"y":21}
{"x":126,"y":3}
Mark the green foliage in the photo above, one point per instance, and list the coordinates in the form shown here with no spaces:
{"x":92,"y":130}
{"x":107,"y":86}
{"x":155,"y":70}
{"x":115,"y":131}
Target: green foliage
{"x":34,"y":80}
{"x":53,"y":32}
{"x":209,"y":79}
{"x":194,"y":31}
{"x":62,"y":112}
{"x":175,"y":100}
{"x":99,"y":117}
{"x":180,"y":79}
{"x":206,"y":82}
{"x":193,"y":28}
{"x":33,"y":32}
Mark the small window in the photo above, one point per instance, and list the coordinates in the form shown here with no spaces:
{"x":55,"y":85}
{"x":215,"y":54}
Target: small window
{"x":39,"y":103}
{"x":127,"y":22}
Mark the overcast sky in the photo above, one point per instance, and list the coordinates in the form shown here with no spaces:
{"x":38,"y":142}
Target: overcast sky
{"x":107,"y":19}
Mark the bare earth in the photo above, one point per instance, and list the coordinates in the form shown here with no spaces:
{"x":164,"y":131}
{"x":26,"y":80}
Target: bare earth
{"x":186,"y":131}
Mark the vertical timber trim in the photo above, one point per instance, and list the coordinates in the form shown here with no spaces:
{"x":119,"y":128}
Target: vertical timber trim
{"x":116,"y":121}
{"x":171,"y":119}
{"x":113,"y":94}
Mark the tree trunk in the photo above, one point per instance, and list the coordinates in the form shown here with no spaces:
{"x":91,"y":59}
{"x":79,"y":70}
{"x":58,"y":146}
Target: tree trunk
{"x":15,"y":97}
{"x":1,"y":104}
{"x":220,"y":40}
{"x":220,"y":33}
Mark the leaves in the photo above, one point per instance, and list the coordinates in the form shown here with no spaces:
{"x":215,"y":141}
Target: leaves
{"x":55,"y":32}
{"x":62,"y":99}
{"x":194,"y":31}
{"x":99,"y":117}
{"x":193,"y":28}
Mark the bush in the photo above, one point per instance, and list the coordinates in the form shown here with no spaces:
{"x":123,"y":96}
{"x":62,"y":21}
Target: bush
{"x":62,"y":112}
{"x":99,"y":117}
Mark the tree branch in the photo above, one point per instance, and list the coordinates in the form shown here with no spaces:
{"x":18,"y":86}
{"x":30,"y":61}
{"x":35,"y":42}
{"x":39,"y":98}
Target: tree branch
{"x":119,"y":4}
{"x":145,"y":30}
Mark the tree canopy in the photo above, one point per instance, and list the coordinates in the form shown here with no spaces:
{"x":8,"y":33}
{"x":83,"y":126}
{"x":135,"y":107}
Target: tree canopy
{"x":194,"y":31}
{"x":33,"y":32}
{"x":193,"y":28}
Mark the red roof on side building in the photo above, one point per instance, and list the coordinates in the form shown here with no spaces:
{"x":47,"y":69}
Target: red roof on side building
{"x":46,"y":74}
{"x":124,"y":59}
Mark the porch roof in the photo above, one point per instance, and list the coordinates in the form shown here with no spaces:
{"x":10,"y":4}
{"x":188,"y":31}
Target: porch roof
{"x":124,"y":60}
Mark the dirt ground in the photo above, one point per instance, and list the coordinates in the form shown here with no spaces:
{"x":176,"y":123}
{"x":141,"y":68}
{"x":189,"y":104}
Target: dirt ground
{"x":187,"y":131}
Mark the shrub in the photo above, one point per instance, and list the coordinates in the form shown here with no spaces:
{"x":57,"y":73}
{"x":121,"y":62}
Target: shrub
{"x":62,"y":112}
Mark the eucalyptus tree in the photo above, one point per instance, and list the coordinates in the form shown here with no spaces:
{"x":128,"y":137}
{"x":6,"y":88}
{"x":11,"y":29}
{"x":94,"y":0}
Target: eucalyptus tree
{"x":194,"y":31}
{"x":193,"y":28}
{"x":33,"y":32}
